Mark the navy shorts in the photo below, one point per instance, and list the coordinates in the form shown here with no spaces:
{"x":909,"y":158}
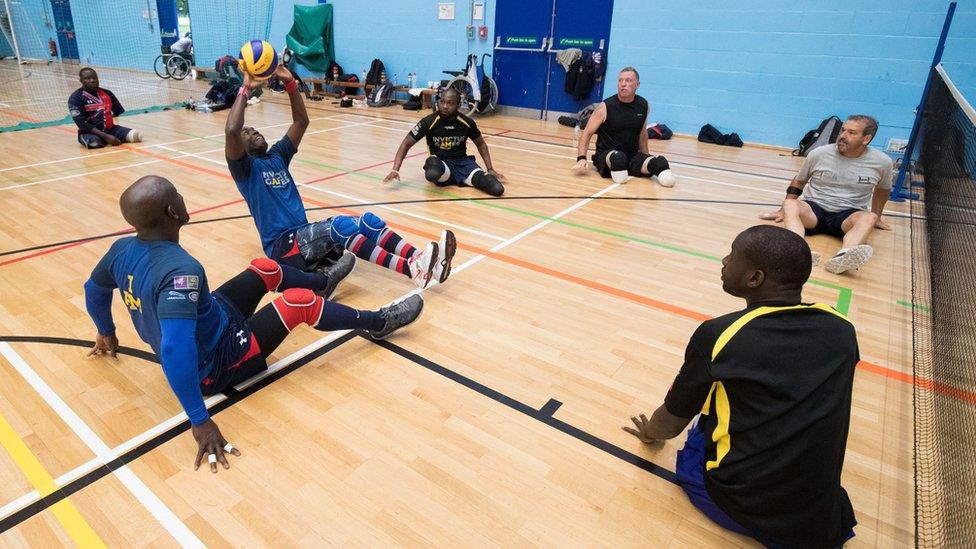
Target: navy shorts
{"x":461,"y":169}
{"x":307,"y":247}
{"x":829,"y":222}
{"x":92,"y":141}
{"x":237,"y":356}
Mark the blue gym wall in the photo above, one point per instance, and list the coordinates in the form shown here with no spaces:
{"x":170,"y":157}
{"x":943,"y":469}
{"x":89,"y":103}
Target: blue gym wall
{"x":34,"y":26}
{"x":112,"y":33}
{"x":772,"y":70}
{"x":220,"y":27}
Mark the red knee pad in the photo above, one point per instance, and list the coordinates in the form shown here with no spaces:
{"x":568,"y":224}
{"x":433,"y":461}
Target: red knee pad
{"x":268,"y":270}
{"x":299,"y":306}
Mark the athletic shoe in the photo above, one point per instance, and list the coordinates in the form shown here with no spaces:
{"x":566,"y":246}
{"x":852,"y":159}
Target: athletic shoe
{"x":422,"y":265}
{"x":815,"y":258}
{"x":852,"y":258}
{"x":666,"y":178}
{"x":398,"y":315}
{"x":448,"y":246}
{"x":335,"y":273}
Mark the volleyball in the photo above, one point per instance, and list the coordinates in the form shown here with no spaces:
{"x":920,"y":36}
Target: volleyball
{"x":259,"y":59}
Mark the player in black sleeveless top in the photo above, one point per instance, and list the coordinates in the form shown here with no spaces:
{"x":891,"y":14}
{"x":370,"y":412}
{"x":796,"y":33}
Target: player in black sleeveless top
{"x":621,"y":136}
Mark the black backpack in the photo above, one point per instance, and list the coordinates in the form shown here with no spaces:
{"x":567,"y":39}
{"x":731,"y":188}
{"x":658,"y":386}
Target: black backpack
{"x":825,"y":134}
{"x":659,"y":131}
{"x":381,"y":95}
{"x":373,"y":76}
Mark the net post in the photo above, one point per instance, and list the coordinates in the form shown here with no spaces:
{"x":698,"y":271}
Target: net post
{"x":13,"y":33}
{"x":900,"y":191}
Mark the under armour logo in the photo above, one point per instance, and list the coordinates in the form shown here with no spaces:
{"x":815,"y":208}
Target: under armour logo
{"x":243,"y":337}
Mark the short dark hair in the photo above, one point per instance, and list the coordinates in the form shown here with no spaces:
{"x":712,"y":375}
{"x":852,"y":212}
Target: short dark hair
{"x":782,"y":255}
{"x":633,"y":70}
{"x":455,"y":91}
{"x":85,"y":69}
{"x":870,"y":124}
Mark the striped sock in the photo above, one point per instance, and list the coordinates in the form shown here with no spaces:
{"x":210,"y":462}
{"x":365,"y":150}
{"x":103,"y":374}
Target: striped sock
{"x":366,"y":249}
{"x":392,"y":242}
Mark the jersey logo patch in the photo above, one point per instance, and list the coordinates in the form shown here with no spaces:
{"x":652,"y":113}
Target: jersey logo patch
{"x":186,"y":282}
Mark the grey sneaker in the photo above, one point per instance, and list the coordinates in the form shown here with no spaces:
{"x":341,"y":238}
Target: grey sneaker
{"x":448,"y":247}
{"x":335,"y":273}
{"x":815,"y":258}
{"x":853,"y":258}
{"x":398,"y":315}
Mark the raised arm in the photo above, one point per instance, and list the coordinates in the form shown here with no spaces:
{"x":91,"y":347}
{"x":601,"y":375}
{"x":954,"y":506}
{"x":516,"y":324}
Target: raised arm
{"x":233,"y":140}
{"x":299,"y":115}
{"x":596,"y":119}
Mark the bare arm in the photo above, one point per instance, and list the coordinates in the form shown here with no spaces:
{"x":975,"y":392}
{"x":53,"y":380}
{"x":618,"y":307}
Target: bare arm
{"x":299,"y":115}
{"x":485,"y":155}
{"x":598,"y":117}
{"x":878,"y":202}
{"x":662,"y":426}
{"x":233,"y":141}
{"x":401,"y":153}
{"x":642,"y":144}
{"x":793,"y":191}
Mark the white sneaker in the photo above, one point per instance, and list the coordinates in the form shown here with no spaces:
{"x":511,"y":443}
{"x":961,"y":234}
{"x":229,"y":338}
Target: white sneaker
{"x":667,"y":178}
{"x":447,"y":246}
{"x":422,"y":265}
{"x":853,"y":258}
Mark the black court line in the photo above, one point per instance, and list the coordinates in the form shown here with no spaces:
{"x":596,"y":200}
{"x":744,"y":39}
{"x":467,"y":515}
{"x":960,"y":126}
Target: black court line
{"x":233,"y":397}
{"x":401,"y":202}
{"x":144,"y":355}
{"x":543,"y":415}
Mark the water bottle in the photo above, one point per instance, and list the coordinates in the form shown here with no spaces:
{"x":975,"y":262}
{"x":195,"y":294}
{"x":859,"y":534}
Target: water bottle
{"x":362,"y":80}
{"x":412,"y":80}
{"x":394,"y":79}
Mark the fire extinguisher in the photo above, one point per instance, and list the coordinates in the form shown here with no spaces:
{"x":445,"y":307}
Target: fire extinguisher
{"x":53,"y":46}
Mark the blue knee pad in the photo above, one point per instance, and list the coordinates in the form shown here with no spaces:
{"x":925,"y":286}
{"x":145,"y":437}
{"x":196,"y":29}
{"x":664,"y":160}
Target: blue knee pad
{"x":343,"y":228}
{"x":370,"y":225}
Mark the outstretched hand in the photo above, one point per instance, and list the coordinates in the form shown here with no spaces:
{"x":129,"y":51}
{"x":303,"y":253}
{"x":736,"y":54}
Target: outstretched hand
{"x":642,"y":431}
{"x":211,"y":443}
{"x":776,"y":216}
{"x":391,"y":176}
{"x":282,"y":73}
{"x":105,"y":345}
{"x":580,"y":166}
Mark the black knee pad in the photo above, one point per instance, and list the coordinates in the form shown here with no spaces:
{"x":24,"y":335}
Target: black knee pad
{"x":433,"y":170}
{"x":617,"y":161}
{"x":657,"y":165}
{"x":487,"y":183}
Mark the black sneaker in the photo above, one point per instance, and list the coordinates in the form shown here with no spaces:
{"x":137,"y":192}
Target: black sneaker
{"x":398,"y":315}
{"x":335,"y":273}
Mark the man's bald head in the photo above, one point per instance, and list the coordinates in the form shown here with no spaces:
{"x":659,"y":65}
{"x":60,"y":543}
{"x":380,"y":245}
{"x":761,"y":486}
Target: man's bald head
{"x":152,"y":202}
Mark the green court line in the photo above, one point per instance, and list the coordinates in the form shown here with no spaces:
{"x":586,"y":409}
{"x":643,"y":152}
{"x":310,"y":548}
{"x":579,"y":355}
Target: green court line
{"x":909,"y":304}
{"x":844,"y":297}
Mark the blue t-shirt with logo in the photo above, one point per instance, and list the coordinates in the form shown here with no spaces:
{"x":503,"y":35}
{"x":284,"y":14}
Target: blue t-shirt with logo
{"x":159,"y":280}
{"x":270,"y":192}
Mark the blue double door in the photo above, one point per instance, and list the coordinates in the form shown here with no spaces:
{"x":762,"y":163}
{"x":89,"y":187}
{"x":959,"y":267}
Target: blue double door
{"x":528,"y":36}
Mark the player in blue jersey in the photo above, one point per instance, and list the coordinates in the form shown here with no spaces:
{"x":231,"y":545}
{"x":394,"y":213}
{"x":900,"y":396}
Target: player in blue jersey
{"x":264,"y":180}
{"x":208,"y":341}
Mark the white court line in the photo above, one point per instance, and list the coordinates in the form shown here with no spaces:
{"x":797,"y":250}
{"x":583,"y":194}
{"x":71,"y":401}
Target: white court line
{"x":145,"y":146}
{"x":134,"y":484}
{"x":181,"y":417}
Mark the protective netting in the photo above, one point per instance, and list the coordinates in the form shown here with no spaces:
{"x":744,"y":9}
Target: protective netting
{"x":943,"y":233}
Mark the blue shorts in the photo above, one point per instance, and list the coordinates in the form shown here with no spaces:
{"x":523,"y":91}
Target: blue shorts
{"x":691,"y":476}
{"x":829,"y":222}
{"x":461,"y":169}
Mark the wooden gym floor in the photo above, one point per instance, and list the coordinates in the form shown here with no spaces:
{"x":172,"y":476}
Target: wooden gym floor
{"x":493,"y":420}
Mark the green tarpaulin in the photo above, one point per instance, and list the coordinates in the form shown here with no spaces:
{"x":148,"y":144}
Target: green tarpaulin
{"x":311,"y":37}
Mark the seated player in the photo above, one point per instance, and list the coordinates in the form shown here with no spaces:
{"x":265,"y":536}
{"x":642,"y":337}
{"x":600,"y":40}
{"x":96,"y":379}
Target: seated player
{"x":93,"y":110}
{"x":620,"y":125}
{"x":264,"y":180}
{"x":833,"y":190}
{"x":773,"y":385}
{"x":183,"y":47}
{"x":208,"y":341}
{"x":447,"y":132}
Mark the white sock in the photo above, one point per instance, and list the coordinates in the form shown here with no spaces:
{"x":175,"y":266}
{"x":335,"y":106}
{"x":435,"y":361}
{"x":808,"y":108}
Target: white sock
{"x":133,"y":136}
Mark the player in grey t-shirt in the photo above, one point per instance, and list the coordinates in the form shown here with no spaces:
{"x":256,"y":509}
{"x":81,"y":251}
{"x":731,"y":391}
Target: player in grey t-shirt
{"x":839,"y":184}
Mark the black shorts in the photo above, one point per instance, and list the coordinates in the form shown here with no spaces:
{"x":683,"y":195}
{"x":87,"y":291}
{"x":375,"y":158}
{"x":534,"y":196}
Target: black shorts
{"x":634,"y":163}
{"x":829,"y":222}
{"x":92,"y":141}
{"x":237,"y":356}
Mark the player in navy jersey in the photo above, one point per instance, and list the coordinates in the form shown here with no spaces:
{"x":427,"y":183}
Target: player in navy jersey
{"x":208,"y":341}
{"x":447,"y":132}
{"x":264,"y":180}
{"x":94,"y":110}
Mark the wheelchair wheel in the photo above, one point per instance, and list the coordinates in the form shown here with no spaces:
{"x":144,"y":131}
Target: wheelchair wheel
{"x":178,"y":67}
{"x":160,"y":67}
{"x":467,"y":106}
{"x":489,"y":96}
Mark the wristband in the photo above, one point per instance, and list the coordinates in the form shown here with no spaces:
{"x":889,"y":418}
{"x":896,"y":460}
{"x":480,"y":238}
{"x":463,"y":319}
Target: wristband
{"x":581,"y":157}
{"x":243,"y":92}
{"x":794,"y":191}
{"x":291,"y":86}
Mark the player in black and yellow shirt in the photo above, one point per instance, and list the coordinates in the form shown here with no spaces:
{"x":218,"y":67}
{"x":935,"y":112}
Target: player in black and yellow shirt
{"x":773,"y":384}
{"x":447,"y":132}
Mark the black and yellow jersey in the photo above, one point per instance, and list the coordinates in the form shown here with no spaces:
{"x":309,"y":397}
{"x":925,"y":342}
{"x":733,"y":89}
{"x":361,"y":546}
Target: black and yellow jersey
{"x":773,"y":386}
{"x":447,"y":138}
